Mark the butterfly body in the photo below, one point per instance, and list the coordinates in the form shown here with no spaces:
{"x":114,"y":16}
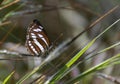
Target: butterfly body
{"x":37,"y":42}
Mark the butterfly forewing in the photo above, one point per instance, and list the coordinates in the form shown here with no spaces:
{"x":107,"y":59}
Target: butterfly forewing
{"x":37,"y":42}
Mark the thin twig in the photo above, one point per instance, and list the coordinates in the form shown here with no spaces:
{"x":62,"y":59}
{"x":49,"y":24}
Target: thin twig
{"x":92,"y":24}
{"x":109,"y":78}
{"x":7,"y":34}
{"x":39,"y":9}
{"x":5,"y":23}
{"x":7,"y":5}
{"x":68,"y":42}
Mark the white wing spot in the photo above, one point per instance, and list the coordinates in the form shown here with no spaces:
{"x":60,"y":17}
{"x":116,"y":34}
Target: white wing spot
{"x":32,"y":47}
{"x":39,"y":45}
{"x":37,"y":30}
{"x":40,"y":27}
{"x":32,"y":34}
{"x":41,"y":36}
{"x":34,"y":37}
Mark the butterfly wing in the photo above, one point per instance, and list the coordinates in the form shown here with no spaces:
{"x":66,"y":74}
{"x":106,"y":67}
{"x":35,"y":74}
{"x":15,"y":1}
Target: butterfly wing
{"x":37,"y":41}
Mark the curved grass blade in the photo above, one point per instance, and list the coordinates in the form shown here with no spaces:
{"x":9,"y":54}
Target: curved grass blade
{"x":30,"y":74}
{"x":59,"y":74}
{"x":8,"y":77}
{"x":91,"y":56}
{"x":109,"y":62}
{"x":67,"y":66}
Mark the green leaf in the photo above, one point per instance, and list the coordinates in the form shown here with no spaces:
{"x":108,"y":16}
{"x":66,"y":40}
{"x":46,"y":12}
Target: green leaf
{"x":8,"y":77}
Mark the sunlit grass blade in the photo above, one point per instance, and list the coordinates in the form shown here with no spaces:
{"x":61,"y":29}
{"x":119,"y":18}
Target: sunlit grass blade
{"x":91,"y":56}
{"x":59,"y":74}
{"x":8,"y":77}
{"x":101,"y":51}
{"x":67,"y":66}
{"x":109,"y":62}
{"x":46,"y":60}
{"x":108,"y":48}
{"x":12,"y":13}
{"x":7,"y":8}
{"x":28,"y":75}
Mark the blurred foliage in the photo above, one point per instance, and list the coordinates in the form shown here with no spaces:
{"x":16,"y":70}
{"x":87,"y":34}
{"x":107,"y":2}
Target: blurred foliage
{"x":69,"y":17}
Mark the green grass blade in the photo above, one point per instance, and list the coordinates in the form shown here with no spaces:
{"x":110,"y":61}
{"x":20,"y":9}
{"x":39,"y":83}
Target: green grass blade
{"x":91,"y":56}
{"x":67,"y":66}
{"x":101,"y":51}
{"x":108,"y":28}
{"x":79,"y":54}
{"x":8,"y":77}
{"x":26,"y":76}
{"x":108,"y":48}
{"x":111,"y":61}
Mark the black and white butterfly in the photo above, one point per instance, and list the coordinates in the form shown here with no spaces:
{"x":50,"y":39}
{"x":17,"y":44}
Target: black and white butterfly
{"x":37,"y":41}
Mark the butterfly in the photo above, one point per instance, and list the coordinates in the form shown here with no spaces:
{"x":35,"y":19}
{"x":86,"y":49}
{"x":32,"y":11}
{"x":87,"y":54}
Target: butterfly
{"x":37,"y":41}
